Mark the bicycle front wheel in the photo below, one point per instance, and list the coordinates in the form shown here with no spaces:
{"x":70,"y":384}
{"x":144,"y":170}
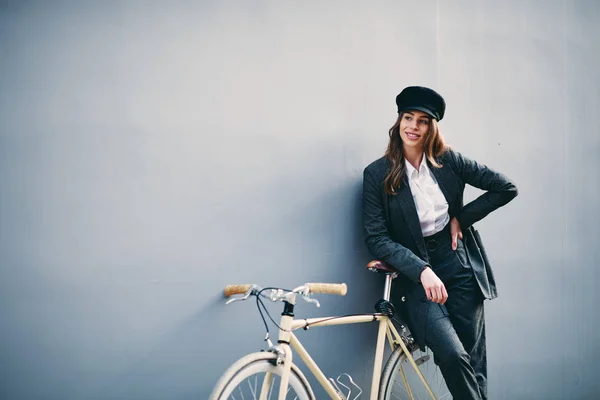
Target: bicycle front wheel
{"x":399,"y":379}
{"x":256,"y":377}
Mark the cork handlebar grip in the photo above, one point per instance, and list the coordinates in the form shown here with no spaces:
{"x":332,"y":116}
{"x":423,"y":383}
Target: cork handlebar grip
{"x":230,"y":290}
{"x":328,"y":288}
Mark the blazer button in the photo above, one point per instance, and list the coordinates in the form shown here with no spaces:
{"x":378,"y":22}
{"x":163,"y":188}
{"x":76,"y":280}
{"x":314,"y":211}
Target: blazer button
{"x":403,"y":298}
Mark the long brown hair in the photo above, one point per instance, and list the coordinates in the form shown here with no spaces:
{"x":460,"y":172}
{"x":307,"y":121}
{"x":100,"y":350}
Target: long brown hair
{"x":434,"y":146}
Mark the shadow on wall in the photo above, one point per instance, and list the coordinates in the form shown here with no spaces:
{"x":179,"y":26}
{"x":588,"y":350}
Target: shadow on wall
{"x":176,"y":361}
{"x":193,"y":355}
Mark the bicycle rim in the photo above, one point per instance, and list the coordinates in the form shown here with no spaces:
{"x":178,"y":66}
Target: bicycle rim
{"x":401,"y":381}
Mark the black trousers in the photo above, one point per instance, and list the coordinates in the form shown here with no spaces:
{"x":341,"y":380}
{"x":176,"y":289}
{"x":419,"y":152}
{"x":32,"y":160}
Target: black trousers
{"x":455,"y":331}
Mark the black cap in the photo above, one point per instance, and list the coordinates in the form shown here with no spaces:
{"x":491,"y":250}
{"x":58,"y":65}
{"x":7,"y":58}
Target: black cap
{"x":422,"y":99}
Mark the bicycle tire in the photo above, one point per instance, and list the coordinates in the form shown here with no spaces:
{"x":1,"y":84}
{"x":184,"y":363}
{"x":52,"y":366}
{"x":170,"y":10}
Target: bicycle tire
{"x":393,"y":386}
{"x":248,"y":368}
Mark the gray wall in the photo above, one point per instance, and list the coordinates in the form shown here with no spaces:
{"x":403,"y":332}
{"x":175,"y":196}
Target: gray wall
{"x":153,"y":152}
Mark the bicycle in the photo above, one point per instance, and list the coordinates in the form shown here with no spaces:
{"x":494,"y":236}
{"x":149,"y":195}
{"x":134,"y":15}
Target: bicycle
{"x":263,"y":374}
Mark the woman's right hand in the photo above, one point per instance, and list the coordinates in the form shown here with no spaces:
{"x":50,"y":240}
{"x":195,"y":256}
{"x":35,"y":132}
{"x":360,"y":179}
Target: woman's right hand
{"x":434,"y":287}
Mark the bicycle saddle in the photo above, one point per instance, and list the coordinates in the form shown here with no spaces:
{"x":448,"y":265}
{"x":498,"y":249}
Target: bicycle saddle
{"x":381,"y":267}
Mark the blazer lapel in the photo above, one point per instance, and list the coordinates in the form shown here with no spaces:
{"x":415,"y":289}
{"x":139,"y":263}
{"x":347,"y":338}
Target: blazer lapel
{"x":407,"y":205}
{"x":441,"y":176}
{"x":444,"y":178}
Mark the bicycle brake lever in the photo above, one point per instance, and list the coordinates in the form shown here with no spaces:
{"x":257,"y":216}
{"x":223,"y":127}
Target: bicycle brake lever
{"x":313,"y":301}
{"x":236,"y":299}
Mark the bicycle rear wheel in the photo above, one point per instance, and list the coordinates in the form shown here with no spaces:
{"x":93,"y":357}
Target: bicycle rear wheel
{"x":399,"y":380}
{"x":256,"y":377}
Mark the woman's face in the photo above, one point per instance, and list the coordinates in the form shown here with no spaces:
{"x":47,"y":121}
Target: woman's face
{"x":414,"y":126}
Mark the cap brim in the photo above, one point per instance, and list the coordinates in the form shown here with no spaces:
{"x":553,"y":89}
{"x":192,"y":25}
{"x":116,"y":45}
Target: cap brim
{"x":422,"y":109}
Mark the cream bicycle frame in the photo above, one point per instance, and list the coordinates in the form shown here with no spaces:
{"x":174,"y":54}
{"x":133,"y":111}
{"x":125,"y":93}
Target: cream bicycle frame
{"x":287,"y":339}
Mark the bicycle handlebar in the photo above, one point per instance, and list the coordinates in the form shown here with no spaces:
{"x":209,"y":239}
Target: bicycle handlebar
{"x":327,"y":288}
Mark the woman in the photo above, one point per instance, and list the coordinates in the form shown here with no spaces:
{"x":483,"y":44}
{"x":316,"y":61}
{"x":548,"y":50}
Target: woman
{"x":416,"y":222}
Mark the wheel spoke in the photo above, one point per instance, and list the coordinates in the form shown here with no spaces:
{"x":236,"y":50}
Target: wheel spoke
{"x":241,"y":393}
{"x":401,"y":381}
{"x":406,"y":385}
{"x":253,"y":389}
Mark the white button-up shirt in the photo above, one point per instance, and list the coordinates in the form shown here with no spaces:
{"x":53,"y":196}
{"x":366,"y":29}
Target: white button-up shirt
{"x":430,"y":202}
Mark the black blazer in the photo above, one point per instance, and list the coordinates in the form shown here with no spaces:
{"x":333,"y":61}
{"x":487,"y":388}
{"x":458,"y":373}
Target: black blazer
{"x":393,"y":232}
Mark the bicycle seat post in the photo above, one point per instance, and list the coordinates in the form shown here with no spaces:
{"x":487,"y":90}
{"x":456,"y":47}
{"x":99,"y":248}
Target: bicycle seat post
{"x":387,"y":289}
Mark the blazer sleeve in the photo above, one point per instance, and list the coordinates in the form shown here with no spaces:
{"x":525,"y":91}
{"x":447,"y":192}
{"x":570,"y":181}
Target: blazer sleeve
{"x":499,"y":189}
{"x":378,"y":239}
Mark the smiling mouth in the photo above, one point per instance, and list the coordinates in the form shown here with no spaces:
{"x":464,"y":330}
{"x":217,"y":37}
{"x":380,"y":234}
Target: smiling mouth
{"x":412,"y":136}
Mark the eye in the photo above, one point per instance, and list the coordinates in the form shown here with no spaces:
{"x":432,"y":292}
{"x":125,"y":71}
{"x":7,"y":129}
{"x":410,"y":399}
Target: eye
{"x":407,"y":117}
{"x":425,"y":121}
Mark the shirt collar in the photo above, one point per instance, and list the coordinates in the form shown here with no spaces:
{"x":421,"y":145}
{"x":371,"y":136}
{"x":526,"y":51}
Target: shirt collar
{"x":411,"y":171}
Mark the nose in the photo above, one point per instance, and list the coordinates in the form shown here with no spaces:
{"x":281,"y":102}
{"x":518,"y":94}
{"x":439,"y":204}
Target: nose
{"x":413,"y":124}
